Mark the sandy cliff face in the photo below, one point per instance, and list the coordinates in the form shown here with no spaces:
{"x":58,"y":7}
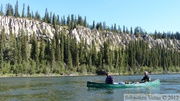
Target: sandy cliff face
{"x":80,"y":33}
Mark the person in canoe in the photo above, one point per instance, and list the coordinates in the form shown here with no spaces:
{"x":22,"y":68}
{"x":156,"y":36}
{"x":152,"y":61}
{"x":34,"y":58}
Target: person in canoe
{"x":146,"y":77}
{"x":109,"y":79}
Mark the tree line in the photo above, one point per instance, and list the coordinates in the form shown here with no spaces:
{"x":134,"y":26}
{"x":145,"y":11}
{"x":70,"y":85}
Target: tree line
{"x":62,"y":54}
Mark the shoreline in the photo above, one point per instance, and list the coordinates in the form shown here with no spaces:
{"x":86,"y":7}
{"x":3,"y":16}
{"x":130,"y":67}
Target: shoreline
{"x":74,"y":74}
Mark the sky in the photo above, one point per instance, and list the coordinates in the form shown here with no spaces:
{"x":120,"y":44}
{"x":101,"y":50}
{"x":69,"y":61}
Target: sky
{"x":150,"y":15}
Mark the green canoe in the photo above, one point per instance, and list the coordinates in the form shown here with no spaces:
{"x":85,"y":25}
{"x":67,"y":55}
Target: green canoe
{"x":118,"y":85}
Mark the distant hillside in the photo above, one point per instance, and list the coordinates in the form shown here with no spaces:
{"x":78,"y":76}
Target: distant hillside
{"x":29,"y":46}
{"x":81,"y":33}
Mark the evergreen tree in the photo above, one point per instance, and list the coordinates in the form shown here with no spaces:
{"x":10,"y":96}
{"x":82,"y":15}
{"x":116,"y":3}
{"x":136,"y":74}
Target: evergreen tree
{"x":32,"y":15}
{"x":46,"y":16}
{"x":81,"y":53}
{"x":19,"y":47}
{"x":119,"y":29}
{"x":24,"y":47}
{"x":54,"y":21}
{"x":42,"y":51}
{"x":28,"y":12}
{"x":50,"y":18}
{"x":58,"y":21}
{"x":93,"y":25}
{"x":16,"y":13}
{"x":23,"y":14}
{"x":124,"y":29}
{"x":127,"y":31}
{"x":63,"y":21}
{"x":62,"y":43}
{"x":34,"y":49}
{"x":131,"y":32}
{"x":115,"y":29}
{"x":47,"y":50}
{"x":1,"y":11}
{"x":104,"y":26}
{"x":37,"y":16}
{"x":80,"y":20}
{"x":9,"y":10}
{"x":94,"y":54}
{"x":2,"y":40}
{"x":74,"y":52}
{"x":68,"y":53}
{"x":100,"y":58}
{"x":72,"y":22}
{"x":85,"y":22}
{"x":106,"y":52}
{"x":68,"y":21}
{"x":52,"y":54}
{"x":58,"y":50}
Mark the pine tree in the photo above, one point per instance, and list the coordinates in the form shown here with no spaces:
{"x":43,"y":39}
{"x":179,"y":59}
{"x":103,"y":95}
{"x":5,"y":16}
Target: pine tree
{"x":1,"y":11}
{"x":58,"y":50}
{"x":68,"y":21}
{"x":81,"y":54}
{"x":54,"y":21}
{"x":37,"y":16}
{"x":68,"y":53}
{"x":28,"y":12}
{"x":19,"y":47}
{"x":104,"y":26}
{"x":47,"y":50}
{"x":9,"y":10}
{"x":124,"y":29}
{"x":72,"y":22}
{"x":100,"y":58}
{"x":42,"y":51}
{"x":2,"y":40}
{"x":131,"y":32}
{"x":46,"y":16}
{"x":93,"y":25}
{"x":115,"y":29}
{"x":74,"y":52}
{"x":80,"y":20}
{"x":24,"y":47}
{"x":63,"y":21}
{"x":23,"y":14}
{"x":106,"y":53}
{"x":12,"y":51}
{"x":94,"y":54}
{"x":16,"y":13}
{"x":58,"y":21}
{"x":62,"y":39}
{"x":52,"y":54}
{"x":127,"y":31}
{"x":85,"y":22}
{"x":34,"y":49}
{"x":50,"y":18}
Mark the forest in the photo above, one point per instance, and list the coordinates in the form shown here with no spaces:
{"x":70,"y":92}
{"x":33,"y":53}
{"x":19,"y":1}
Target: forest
{"x":62,"y":54}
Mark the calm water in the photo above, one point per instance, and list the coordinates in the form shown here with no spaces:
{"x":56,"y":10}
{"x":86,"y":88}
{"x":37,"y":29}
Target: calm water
{"x":74,"y":88}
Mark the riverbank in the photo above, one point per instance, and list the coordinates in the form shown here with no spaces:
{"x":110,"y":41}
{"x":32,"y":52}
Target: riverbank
{"x":75,"y":74}
{"x":43,"y":75}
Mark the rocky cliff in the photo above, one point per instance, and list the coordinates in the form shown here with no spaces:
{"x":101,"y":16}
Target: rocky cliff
{"x":80,"y":33}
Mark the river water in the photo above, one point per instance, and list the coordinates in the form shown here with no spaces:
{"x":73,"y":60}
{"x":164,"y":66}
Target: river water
{"x":74,"y":88}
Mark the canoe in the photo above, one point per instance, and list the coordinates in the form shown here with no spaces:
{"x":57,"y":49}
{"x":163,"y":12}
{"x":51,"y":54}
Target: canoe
{"x":91,"y":84}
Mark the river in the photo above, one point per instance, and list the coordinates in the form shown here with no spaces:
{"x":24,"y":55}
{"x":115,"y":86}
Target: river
{"x":68,"y":88}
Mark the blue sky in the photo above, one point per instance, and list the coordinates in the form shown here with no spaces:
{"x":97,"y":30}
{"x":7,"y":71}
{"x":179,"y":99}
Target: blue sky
{"x":151,"y":15}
